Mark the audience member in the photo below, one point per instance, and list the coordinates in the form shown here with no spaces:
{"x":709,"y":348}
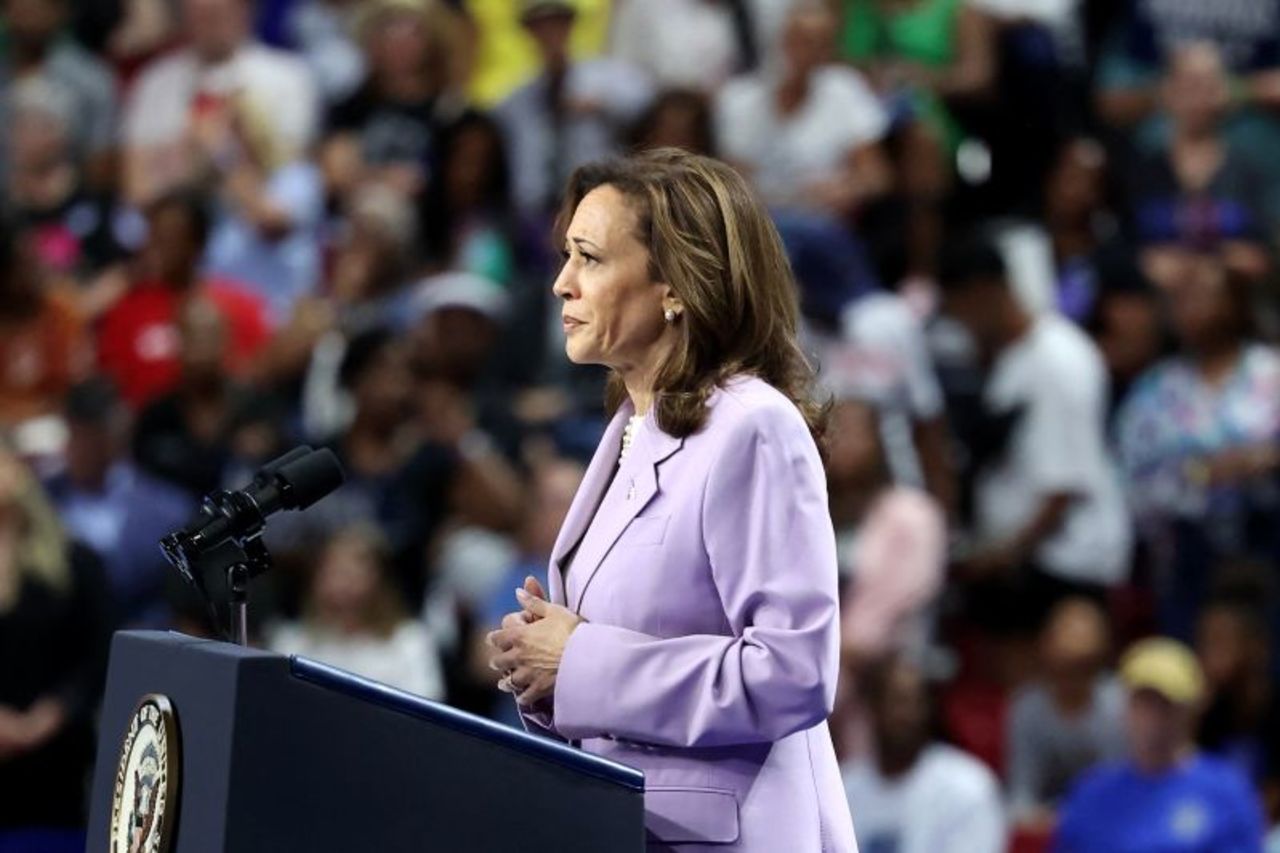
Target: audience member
{"x":388,"y":129}
{"x":1241,"y":720}
{"x":186,"y":436}
{"x":1081,"y":223}
{"x":1126,"y":321}
{"x":693,"y":44}
{"x":114,"y":508}
{"x":136,"y":31}
{"x":178,"y":124}
{"x":808,"y":136}
{"x":1050,"y":518}
{"x":1246,"y":34}
{"x":138,"y":340}
{"x":466,"y":214}
{"x":1197,"y":441}
{"x":916,"y":795}
{"x":890,"y":537}
{"x":1200,"y":191}
{"x":355,"y":619}
{"x":677,"y":118}
{"x":266,"y":226}
{"x":572,"y":112}
{"x":401,"y":474}
{"x":890,"y":541}
{"x":1165,"y":795}
{"x":53,"y":607}
{"x":885,"y":353}
{"x":1067,"y":720}
{"x":924,"y":59}
{"x":74,"y":229}
{"x":554,"y":481}
{"x":36,"y":46}
{"x":43,"y":350}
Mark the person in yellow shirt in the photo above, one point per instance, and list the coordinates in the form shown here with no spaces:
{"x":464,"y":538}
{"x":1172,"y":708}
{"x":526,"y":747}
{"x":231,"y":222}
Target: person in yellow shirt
{"x":507,"y":57}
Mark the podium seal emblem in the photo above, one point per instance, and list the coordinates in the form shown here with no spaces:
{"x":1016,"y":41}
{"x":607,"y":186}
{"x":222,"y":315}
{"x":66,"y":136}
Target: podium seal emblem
{"x":145,"y":803}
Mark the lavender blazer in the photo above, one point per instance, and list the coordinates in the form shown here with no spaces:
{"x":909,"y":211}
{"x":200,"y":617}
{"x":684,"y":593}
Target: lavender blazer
{"x":707,"y":575}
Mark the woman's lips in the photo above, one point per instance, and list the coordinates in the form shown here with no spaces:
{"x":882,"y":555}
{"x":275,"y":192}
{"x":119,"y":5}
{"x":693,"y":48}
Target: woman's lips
{"x":570,"y":323}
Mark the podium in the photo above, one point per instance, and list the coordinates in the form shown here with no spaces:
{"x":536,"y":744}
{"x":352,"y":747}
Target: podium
{"x":279,"y":754}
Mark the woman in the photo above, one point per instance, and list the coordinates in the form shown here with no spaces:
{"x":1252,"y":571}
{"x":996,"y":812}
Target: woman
{"x":692,"y":628}
{"x":891,"y":543}
{"x":42,"y":342}
{"x":387,"y":130}
{"x":1200,"y":190}
{"x":465,"y":214}
{"x":53,"y":609}
{"x":1199,"y":441}
{"x":356,"y":619}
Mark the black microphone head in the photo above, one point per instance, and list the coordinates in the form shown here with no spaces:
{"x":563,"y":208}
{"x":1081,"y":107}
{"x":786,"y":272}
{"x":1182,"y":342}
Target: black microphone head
{"x":307,"y":479}
{"x":270,"y":468}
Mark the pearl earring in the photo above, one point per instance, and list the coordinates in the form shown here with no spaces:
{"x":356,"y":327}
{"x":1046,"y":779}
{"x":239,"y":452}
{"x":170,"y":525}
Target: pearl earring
{"x":669,"y":315}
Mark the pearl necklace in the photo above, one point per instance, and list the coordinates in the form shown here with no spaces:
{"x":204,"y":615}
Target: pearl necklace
{"x":629,"y":433}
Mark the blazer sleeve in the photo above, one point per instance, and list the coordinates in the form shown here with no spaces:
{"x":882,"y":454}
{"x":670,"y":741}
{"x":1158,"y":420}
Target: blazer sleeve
{"x":771,"y":547}
{"x":538,"y":720}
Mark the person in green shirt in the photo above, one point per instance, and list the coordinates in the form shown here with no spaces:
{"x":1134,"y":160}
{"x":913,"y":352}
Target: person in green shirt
{"x":918,"y":55}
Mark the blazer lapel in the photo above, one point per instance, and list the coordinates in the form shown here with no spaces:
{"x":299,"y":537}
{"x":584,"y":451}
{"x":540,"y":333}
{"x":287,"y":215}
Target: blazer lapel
{"x":635,"y":486}
{"x":586,"y":500}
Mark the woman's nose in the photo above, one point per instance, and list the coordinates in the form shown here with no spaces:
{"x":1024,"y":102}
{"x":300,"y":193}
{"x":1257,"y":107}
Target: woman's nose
{"x":565,"y":287}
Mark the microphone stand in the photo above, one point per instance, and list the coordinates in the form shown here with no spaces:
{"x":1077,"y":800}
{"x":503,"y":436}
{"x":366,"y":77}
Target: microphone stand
{"x":255,"y":559}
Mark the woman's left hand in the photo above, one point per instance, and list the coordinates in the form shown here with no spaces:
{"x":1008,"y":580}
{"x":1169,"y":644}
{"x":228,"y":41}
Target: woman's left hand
{"x":529,"y":648}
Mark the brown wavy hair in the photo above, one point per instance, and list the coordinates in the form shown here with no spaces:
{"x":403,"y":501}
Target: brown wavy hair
{"x":709,"y":238}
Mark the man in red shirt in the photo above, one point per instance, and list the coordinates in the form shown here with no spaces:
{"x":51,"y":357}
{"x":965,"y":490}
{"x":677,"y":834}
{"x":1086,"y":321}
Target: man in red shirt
{"x":138,"y":337}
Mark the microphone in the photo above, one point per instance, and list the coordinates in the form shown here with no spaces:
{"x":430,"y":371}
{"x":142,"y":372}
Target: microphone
{"x":295,"y":480}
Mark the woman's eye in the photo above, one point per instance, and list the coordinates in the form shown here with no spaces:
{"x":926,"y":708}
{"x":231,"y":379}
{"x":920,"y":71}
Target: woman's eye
{"x":565,"y":253}
{"x":590,"y":259}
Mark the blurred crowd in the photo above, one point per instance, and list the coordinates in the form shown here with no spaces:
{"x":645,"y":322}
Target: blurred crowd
{"x":1036,"y":247}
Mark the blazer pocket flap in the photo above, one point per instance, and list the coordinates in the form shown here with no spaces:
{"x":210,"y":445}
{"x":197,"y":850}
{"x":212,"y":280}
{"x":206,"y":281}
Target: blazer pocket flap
{"x":691,"y":815}
{"x":646,"y":530}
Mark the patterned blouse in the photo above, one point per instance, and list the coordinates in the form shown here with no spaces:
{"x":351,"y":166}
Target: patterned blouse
{"x":1173,"y":422}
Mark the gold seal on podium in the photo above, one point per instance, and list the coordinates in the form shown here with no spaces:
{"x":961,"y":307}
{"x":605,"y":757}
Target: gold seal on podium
{"x":145,"y":804}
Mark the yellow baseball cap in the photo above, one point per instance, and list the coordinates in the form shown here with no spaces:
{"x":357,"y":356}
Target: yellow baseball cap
{"x":1164,"y":666}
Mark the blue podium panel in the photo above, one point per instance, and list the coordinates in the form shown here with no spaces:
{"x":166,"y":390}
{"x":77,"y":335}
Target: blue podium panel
{"x":282,"y":754}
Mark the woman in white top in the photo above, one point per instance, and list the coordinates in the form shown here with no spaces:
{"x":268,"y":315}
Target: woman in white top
{"x":354,"y":619}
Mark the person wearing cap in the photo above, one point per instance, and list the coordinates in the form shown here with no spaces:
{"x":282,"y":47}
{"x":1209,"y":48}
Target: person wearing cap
{"x":691,"y":624}
{"x":571,"y":113}
{"x":1166,"y":796}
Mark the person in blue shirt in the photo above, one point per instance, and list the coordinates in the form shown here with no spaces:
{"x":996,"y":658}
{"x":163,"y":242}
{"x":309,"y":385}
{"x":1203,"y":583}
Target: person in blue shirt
{"x":1166,"y":797}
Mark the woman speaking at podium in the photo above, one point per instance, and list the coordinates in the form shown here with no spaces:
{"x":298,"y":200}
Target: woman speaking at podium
{"x":691,"y":626}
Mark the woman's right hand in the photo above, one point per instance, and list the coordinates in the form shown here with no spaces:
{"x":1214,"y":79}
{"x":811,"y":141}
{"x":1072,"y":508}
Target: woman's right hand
{"x":521,"y":617}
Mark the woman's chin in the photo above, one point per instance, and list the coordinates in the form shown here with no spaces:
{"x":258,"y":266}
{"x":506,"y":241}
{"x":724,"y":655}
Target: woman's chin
{"x":576,"y":354}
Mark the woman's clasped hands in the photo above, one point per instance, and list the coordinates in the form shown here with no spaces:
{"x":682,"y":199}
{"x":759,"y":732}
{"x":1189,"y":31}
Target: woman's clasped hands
{"x":528,"y":647}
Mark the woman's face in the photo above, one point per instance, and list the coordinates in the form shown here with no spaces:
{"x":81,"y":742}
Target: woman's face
{"x":855,"y":457}
{"x":475,"y":150}
{"x":399,"y":44}
{"x":346,"y":580}
{"x":1075,"y":184}
{"x":1200,"y":304}
{"x":678,"y":124}
{"x":384,"y":392}
{"x":613,"y":310}
{"x":172,"y":249}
